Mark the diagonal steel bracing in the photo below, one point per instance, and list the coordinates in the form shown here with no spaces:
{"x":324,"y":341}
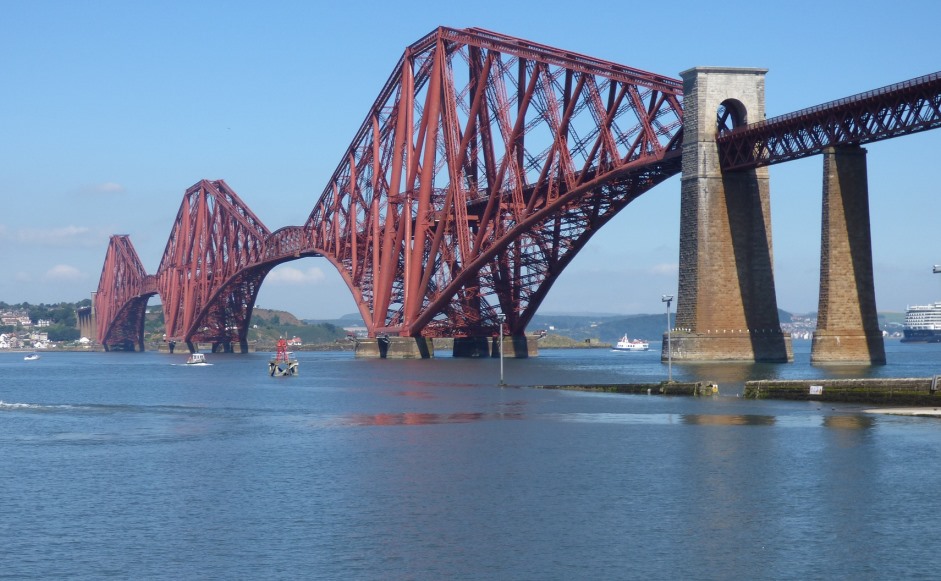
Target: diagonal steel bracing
{"x":891,"y":111}
{"x":484,"y":166}
{"x":486,"y":163}
{"x":212,"y":266}
{"x":121,"y":299}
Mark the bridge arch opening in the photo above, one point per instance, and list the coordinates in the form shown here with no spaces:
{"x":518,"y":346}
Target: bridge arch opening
{"x":730,"y":114}
{"x":308,"y":287}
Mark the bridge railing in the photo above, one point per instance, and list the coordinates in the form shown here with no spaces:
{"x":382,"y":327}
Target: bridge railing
{"x":898,"y":109}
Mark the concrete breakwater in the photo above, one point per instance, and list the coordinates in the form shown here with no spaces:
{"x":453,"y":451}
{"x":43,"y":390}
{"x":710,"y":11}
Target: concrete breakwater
{"x":663,"y":388}
{"x":914,"y":391}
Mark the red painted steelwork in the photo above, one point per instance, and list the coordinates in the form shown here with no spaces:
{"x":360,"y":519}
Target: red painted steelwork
{"x":212,"y":266}
{"x":486,"y":163}
{"x":121,"y":300}
{"x":899,"y":109}
{"x":484,"y":166}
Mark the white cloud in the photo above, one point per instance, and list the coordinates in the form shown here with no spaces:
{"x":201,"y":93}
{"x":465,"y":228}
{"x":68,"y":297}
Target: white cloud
{"x":665,"y":268}
{"x":63,"y":273}
{"x":105,"y":188}
{"x":288,"y":275}
{"x":65,"y":236}
{"x":22,"y":277}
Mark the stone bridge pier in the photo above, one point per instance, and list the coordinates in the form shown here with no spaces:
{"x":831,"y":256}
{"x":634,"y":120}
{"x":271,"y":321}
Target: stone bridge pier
{"x":726,"y":304}
{"x":847,"y":321}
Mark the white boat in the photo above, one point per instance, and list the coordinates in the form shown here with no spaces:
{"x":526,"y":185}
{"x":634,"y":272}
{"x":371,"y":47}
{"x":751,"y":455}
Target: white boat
{"x":922,"y":324}
{"x":197,"y":359}
{"x":31,"y":357}
{"x":626,"y":344}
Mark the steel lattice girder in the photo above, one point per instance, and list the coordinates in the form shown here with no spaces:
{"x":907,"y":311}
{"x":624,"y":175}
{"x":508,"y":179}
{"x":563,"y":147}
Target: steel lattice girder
{"x":899,"y":109}
{"x":121,"y":300}
{"x":209,"y":274}
{"x":483,"y":167}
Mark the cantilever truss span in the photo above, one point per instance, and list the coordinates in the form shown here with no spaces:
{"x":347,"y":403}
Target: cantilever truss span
{"x":121,"y":300}
{"x":483,"y":167}
{"x":212,"y":266}
{"x":485,"y":164}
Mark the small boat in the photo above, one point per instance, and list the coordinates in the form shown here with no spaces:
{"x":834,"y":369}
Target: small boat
{"x":283,"y":364}
{"x":31,"y":357}
{"x":626,"y":344}
{"x":197,"y":359}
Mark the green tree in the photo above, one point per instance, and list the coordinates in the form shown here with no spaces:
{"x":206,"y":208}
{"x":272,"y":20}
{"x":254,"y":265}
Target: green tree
{"x":62,"y":333}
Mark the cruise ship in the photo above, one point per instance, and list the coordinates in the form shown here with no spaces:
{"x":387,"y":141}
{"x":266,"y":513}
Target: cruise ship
{"x":923,"y":324}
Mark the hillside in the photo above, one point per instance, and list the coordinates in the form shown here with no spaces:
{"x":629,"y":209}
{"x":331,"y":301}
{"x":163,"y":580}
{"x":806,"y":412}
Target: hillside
{"x":265,"y":328}
{"x":606,"y":328}
{"x":268,"y":325}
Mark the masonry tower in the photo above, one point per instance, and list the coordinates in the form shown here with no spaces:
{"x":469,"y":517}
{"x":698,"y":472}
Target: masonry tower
{"x":726,"y":304}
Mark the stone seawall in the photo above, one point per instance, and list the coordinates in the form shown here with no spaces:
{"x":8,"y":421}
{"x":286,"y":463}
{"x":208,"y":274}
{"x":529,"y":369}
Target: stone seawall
{"x":890,"y":391}
{"x":662,"y":388}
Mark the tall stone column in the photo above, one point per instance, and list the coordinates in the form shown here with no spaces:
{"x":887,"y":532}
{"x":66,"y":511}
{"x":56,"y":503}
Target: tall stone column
{"x":726,"y":304}
{"x":847,"y":320}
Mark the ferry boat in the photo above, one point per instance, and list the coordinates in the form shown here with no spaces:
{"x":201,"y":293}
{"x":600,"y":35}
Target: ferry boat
{"x":197,"y":359}
{"x":922,"y":324}
{"x":626,"y":344}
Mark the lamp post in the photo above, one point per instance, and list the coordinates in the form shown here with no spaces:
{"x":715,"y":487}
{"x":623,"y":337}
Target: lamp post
{"x":500,"y":318}
{"x":667,"y":299}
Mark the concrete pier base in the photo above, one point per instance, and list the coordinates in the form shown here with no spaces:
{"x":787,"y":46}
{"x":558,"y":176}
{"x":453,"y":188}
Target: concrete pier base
{"x":769,"y":347}
{"x":395,"y":348}
{"x":517,"y":347}
{"x":223,"y":347}
{"x":471,"y":347}
{"x":855,"y":347}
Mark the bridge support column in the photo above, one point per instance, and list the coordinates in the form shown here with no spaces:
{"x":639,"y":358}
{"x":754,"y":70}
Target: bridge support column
{"x":471,"y":347}
{"x":222,"y":347}
{"x":87,"y":326}
{"x":726,"y":304}
{"x":515,"y":347}
{"x":847,"y":321}
{"x":395,"y":348}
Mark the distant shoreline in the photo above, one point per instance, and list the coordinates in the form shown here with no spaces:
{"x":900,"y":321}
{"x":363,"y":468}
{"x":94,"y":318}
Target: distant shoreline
{"x":549,"y":342}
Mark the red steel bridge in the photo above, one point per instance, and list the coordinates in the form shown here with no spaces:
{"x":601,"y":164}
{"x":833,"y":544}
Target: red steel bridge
{"x":483,"y":167}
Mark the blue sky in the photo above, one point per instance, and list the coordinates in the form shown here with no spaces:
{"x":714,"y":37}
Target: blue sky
{"x":110,"y":110}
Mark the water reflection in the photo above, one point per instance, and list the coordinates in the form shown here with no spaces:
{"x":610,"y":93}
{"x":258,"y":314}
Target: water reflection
{"x":424,"y":419}
{"x":417,"y":394}
{"x":849,"y":422}
{"x":728,"y":420}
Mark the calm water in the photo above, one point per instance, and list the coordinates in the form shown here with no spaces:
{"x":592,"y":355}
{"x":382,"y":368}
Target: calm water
{"x":132,"y":466}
